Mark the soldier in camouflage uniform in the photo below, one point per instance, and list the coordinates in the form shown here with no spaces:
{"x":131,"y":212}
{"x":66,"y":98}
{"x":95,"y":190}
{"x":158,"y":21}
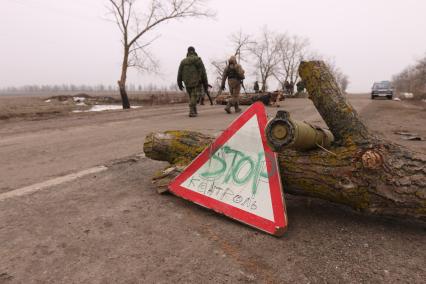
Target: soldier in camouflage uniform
{"x":235,"y":75}
{"x":291,"y":87}
{"x":193,"y":74}
{"x":256,"y":87}
{"x":300,"y":86}
{"x":287,"y":87}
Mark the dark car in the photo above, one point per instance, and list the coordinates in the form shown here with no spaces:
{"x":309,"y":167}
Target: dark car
{"x":382,"y":89}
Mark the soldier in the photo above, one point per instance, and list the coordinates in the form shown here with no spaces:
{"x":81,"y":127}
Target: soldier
{"x":291,"y":87}
{"x":300,"y":86}
{"x":235,"y":75}
{"x":287,"y":87}
{"x":256,"y":87}
{"x":193,"y":74}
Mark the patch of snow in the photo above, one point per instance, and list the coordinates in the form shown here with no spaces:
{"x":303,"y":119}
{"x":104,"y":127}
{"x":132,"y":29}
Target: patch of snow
{"x":408,"y":95}
{"x":397,"y":99}
{"x":97,"y":108}
{"x":105,"y":107}
{"x":80,"y":104}
{"x":48,"y":101}
{"x":79,"y":99}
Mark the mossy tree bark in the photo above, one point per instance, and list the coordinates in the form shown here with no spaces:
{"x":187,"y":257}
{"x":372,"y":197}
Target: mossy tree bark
{"x":365,"y":172}
{"x":361,"y":170}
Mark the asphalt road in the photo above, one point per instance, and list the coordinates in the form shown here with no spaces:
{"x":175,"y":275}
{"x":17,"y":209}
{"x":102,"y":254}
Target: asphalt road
{"x":33,"y":151}
{"x":109,"y":226}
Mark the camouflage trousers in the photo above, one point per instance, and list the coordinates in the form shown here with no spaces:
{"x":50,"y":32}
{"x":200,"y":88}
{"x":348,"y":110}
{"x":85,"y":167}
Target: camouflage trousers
{"x":194,"y":93}
{"x":234,"y":89}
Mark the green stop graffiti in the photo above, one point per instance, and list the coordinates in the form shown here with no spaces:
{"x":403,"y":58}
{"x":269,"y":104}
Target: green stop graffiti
{"x":238,"y":167}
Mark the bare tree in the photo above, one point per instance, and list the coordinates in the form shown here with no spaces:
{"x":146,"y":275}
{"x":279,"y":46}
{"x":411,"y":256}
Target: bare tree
{"x":344,"y":82}
{"x":341,"y":78}
{"x":292,"y":50}
{"x":173,"y":87}
{"x":240,"y":45}
{"x":265,"y":53}
{"x":135,"y":26}
{"x":219,"y":69}
{"x":412,"y":79}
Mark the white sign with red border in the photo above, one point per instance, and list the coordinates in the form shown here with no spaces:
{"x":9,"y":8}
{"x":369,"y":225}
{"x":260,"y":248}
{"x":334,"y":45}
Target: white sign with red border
{"x":238,"y":175}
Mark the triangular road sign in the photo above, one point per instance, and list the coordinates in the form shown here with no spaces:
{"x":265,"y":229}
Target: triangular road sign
{"x":238,"y":175}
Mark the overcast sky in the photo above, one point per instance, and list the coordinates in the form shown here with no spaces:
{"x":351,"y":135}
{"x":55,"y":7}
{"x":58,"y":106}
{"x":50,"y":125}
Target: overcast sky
{"x":69,"y":41}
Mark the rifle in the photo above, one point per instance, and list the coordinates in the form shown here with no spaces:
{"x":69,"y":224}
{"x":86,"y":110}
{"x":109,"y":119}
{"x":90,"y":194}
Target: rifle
{"x":208,"y":94}
{"x":206,"y":90}
{"x":244,"y":88}
{"x":221,"y":80}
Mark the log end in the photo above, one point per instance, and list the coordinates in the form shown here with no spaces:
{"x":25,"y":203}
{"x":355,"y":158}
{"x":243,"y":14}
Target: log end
{"x":178,"y":147}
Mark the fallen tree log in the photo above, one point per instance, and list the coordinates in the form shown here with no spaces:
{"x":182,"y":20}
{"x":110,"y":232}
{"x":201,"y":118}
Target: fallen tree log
{"x":359,"y":170}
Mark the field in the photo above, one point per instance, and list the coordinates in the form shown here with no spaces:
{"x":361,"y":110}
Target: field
{"x":39,"y":105}
{"x":111,"y":226}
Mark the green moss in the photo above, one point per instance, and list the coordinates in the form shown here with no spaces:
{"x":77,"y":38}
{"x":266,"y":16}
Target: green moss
{"x":422,"y":210}
{"x":357,"y":198}
{"x":181,"y":151}
{"x":327,"y":186}
{"x":158,"y":174}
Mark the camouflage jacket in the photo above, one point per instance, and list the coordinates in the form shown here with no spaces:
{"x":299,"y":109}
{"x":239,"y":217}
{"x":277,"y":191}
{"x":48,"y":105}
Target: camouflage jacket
{"x":233,"y":71}
{"x":192,"y":72}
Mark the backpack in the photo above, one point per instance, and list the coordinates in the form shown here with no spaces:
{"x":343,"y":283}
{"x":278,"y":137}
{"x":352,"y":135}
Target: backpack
{"x":191,"y":75}
{"x":235,"y":71}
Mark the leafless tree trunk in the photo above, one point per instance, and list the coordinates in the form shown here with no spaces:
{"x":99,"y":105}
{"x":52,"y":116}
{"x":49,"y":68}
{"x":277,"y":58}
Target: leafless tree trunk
{"x":219,"y":69}
{"x":134,"y":27}
{"x":265,"y":53}
{"x":291,"y":50}
{"x":344,"y":83}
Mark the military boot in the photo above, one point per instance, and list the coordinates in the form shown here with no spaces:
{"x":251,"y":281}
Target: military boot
{"x":237,"y":108}
{"x":228,"y":107}
{"x":192,"y":112}
{"x":195,"y":110}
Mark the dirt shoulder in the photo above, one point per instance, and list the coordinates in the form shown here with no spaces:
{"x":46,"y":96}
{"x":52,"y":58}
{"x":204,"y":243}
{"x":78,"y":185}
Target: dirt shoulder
{"x":387,"y":118}
{"x":113,"y":228}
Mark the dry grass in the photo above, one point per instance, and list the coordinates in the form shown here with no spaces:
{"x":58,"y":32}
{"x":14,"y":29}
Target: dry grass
{"x":158,"y":98}
{"x":13,"y":107}
{"x":136,"y":98}
{"x":36,"y":107}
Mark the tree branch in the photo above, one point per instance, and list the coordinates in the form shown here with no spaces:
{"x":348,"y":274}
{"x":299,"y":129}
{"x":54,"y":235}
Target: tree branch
{"x":337,"y":112}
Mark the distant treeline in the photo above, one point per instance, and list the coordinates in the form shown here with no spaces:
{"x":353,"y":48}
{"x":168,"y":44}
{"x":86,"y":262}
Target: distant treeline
{"x":412,"y":79}
{"x":85,"y":88}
